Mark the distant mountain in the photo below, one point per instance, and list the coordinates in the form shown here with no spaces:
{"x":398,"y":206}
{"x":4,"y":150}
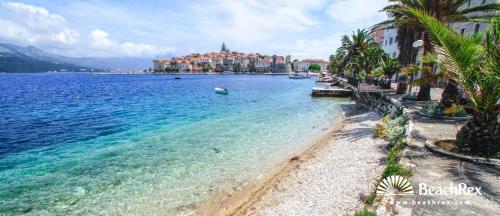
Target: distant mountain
{"x":31,"y":59}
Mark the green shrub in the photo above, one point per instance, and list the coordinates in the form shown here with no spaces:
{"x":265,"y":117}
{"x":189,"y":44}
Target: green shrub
{"x":365,"y":213}
{"x":396,"y":169}
{"x":370,"y":199}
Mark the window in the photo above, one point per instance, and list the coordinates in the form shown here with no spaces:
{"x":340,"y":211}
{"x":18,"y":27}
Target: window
{"x":394,"y":55}
{"x":386,"y":42}
{"x":484,"y":2}
{"x":476,"y":28}
{"x":468,"y":3}
{"x":390,"y":41}
{"x":462,"y":31}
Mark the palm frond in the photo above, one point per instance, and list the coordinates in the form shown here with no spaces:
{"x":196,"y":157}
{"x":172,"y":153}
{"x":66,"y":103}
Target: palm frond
{"x":493,"y":7}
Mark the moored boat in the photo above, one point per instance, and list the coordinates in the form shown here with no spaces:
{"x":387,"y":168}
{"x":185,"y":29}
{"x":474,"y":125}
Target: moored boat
{"x":297,"y":76}
{"x":221,"y":90}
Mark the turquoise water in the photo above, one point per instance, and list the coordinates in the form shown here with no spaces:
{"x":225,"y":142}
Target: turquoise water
{"x":145,"y":144}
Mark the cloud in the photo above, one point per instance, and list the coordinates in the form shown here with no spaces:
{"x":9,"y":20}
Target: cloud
{"x":67,"y":36}
{"x":101,"y":42}
{"x":33,"y":25}
{"x":13,"y":31}
{"x":253,"y":21}
{"x":304,"y":29}
{"x":100,"y":39}
{"x":361,"y":13}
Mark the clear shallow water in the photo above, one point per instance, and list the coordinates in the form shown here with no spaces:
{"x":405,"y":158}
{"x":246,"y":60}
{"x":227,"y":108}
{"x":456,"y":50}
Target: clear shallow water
{"x":145,"y":144}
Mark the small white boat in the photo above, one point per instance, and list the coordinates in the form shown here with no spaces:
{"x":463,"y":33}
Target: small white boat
{"x":297,"y":76}
{"x":221,"y":91}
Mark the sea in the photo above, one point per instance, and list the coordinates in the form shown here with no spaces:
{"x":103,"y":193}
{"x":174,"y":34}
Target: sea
{"x":87,"y":144}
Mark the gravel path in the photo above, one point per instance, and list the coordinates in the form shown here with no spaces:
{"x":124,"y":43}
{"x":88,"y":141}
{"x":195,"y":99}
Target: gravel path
{"x":334,"y":179}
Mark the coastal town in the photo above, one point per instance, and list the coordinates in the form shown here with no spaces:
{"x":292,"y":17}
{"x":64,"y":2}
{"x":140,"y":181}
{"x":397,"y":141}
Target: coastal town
{"x":250,"y":108}
{"x":233,"y":61}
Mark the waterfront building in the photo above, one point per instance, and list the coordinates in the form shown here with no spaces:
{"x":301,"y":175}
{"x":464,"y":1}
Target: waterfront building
{"x":303,"y":66}
{"x":469,"y":28}
{"x":463,"y":28}
{"x":225,"y":60}
{"x":160,"y":64}
{"x":389,"y":43}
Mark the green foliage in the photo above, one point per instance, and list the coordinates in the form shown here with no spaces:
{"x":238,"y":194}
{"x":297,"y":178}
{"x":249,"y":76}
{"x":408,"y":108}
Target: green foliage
{"x":371,"y":198}
{"x":394,"y":131}
{"x":370,"y":58}
{"x":389,"y":66}
{"x":314,"y":67}
{"x":396,"y":169}
{"x":450,"y":11}
{"x":352,"y":46}
{"x":365,"y":213}
{"x":474,"y":65}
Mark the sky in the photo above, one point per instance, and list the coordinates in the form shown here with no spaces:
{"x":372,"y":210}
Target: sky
{"x":148,"y":28}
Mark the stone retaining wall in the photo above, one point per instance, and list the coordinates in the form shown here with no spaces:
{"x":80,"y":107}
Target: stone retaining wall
{"x":374,"y":101}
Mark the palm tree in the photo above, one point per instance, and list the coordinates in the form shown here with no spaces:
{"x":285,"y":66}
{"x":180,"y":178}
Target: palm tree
{"x":389,"y":67}
{"x":370,"y":58}
{"x":475,"y":66}
{"x":409,"y":29}
{"x":353,"y":46}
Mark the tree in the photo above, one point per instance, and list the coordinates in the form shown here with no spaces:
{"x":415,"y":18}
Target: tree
{"x":335,"y":61}
{"x":370,"y":59}
{"x":475,"y":66}
{"x":314,"y":67}
{"x":389,"y":67}
{"x":352,"y":46}
{"x":409,"y":28}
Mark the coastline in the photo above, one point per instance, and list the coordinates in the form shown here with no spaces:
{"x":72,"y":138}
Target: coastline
{"x":250,"y":197}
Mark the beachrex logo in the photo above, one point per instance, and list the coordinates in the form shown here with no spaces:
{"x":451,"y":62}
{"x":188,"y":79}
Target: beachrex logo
{"x":395,"y":185}
{"x":398,"y":185}
{"x":452,"y":189}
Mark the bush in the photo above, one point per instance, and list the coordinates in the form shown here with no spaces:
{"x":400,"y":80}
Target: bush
{"x":365,"y":213}
{"x":396,"y":169}
{"x":392,"y":130}
{"x":455,"y":110}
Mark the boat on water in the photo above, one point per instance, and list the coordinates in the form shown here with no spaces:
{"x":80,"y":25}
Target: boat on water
{"x":177,"y":78}
{"x":297,"y":76}
{"x":221,"y":91}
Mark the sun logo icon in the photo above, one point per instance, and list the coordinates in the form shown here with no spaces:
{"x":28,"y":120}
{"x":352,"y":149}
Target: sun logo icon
{"x":395,"y":185}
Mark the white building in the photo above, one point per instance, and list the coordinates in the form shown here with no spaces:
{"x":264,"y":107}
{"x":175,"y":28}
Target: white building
{"x":465,"y":29}
{"x":185,"y":66}
{"x":390,"y":43}
{"x":468,"y":28}
{"x":303,"y":66}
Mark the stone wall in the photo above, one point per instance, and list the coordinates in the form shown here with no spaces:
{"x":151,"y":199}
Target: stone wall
{"x":373,"y":101}
{"x":378,"y":102}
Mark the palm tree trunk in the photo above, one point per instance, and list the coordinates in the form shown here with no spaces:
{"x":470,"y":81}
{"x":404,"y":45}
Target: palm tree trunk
{"x":481,"y":134}
{"x":451,"y":94}
{"x":424,"y":94}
